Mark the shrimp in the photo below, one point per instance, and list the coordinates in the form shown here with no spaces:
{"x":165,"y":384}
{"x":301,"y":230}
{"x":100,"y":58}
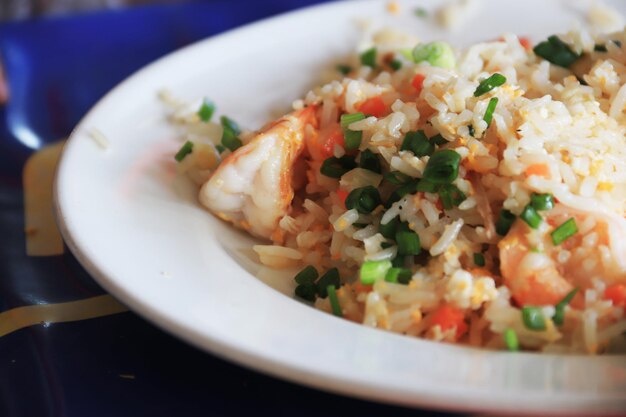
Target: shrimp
{"x":252,"y":188}
{"x":539,"y":273}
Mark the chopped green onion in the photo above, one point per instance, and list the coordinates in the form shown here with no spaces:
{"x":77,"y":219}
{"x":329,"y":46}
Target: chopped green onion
{"x":229,"y":123}
{"x":488,"y":84}
{"x":420,"y":12}
{"x":556,"y":51}
{"x":230,"y":133}
{"x":408,"y":188}
{"x":306,"y":291}
{"x":307,"y":276}
{"x":334,"y":301}
{"x":220,"y":148}
{"x":564,"y":231}
{"x":395,"y":64}
{"x":600,"y":48}
{"x":542,"y":201}
{"x":364,"y":199}
{"x":347,"y":119}
{"x":399,"y":275}
{"x":491,"y":107}
{"x":443,"y":167}
{"x":510,"y":340}
{"x":331,"y":277}
{"x":418,"y":143}
{"x":184,"y":151}
{"x":335,"y":167}
{"x":479,"y":259}
{"x":559,"y":309}
{"x":530,"y":216}
{"x":206,"y":110}
{"x":398,"y":261}
{"x":470,"y":130}
{"x":408,"y":243}
{"x":368,"y":58}
{"x":438,"y":54}
{"x":368,"y":160}
{"x":344,"y":69}
{"x":533,"y":318}
{"x":352,"y":139}
{"x":451,"y":196}
{"x":396,"y":177}
{"x":438,"y":139}
{"x":426,"y":186}
{"x":388,"y":229}
{"x":372,"y":271}
{"x":505,"y":221}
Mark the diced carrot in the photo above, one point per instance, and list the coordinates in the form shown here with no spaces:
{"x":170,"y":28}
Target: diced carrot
{"x":448,"y":317}
{"x":374,"y":106}
{"x":541,"y":170}
{"x":439,"y":204}
{"x":418,"y":82}
{"x":359,"y":287}
{"x":525,"y":42}
{"x":321,"y":145}
{"x":617,"y":294}
{"x":342,"y":194}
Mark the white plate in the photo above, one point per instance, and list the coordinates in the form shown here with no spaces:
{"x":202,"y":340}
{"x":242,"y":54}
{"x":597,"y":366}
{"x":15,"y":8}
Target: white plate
{"x":145,"y":239}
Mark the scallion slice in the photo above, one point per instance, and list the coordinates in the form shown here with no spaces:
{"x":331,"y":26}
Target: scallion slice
{"x":347,"y":119}
{"x":479,"y":259}
{"x":395,"y":64}
{"x":559,"y":309}
{"x":442,"y":167}
{"x":184,"y":150}
{"x":206,"y":110}
{"x":438,"y":54}
{"x":556,"y":51}
{"x":306,"y":291}
{"x":372,"y":271}
{"x":388,"y":229}
{"x":368,"y":160}
{"x":488,"y":84}
{"x":331,"y":277}
{"x":418,"y":143}
{"x":533,"y":318}
{"x":505,"y":221}
{"x":564,"y":231}
{"x":409,"y":187}
{"x":363,"y":199}
{"x":352,"y":138}
{"x":542,"y":201}
{"x":220,"y":148}
{"x":230,"y":133}
{"x":420,"y":12}
{"x":491,"y":107}
{"x":426,"y":186}
{"x":438,"y":139}
{"x":334,"y":301}
{"x":408,"y":243}
{"x":399,"y":275}
{"x":396,"y":177}
{"x":530,"y":216}
{"x":307,"y":276}
{"x":451,"y":196}
{"x":368,"y":58}
{"x":335,"y":167}
{"x":344,"y":69}
{"x":510,"y":340}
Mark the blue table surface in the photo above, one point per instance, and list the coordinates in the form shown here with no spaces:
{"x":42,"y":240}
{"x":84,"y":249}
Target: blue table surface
{"x":57,"y":68}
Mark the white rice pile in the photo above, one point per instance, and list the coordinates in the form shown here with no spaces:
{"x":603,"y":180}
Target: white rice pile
{"x":554,"y":130}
